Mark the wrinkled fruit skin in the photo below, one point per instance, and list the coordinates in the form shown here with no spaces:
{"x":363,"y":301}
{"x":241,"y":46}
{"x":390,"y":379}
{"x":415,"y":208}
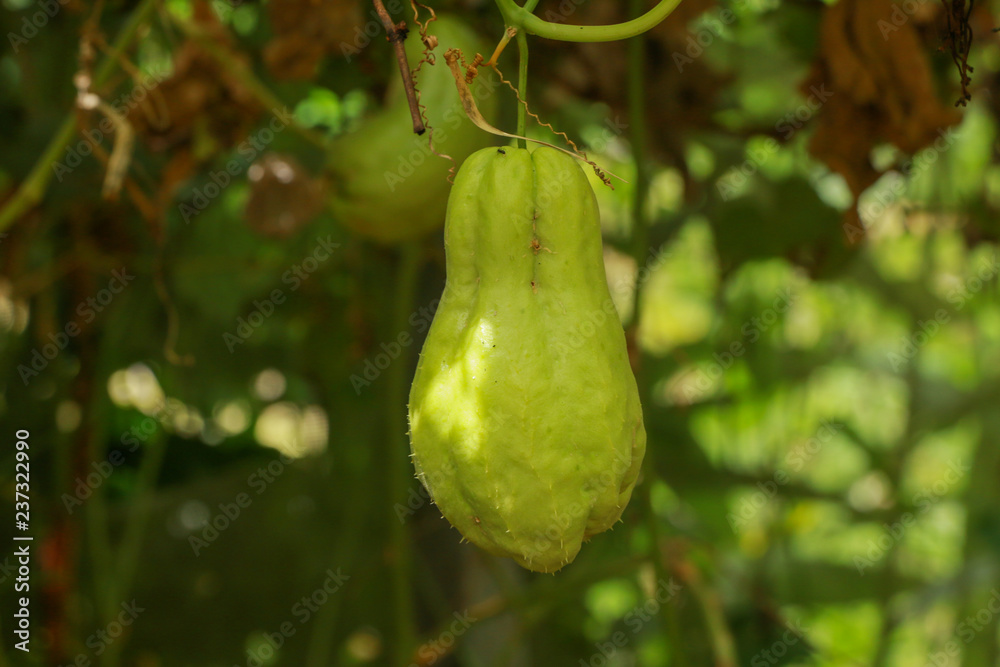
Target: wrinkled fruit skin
{"x":525,"y":422}
{"x":385,"y":183}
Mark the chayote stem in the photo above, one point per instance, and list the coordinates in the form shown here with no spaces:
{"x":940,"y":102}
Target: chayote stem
{"x":522,"y":87}
{"x":523,"y":19}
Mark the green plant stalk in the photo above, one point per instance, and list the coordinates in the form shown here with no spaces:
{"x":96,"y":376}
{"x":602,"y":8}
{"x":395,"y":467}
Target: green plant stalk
{"x":980,"y":501}
{"x":723,"y":644}
{"x":399,"y":451}
{"x":888,"y":584}
{"x":96,"y":514}
{"x":522,"y":73}
{"x":33,"y":187}
{"x":522,"y":18}
{"x":522,"y":87}
{"x":324,"y":631}
{"x":322,"y":638}
{"x":528,"y":6}
{"x":130,"y":548}
{"x":115,"y":568}
{"x":639,"y":134}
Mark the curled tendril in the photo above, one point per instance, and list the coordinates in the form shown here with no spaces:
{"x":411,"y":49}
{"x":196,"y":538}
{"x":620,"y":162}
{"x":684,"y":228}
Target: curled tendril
{"x":428,"y":56}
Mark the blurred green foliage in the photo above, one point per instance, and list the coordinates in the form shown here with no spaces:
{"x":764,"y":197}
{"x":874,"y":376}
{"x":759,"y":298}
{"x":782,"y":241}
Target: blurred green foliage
{"x":822,"y":411}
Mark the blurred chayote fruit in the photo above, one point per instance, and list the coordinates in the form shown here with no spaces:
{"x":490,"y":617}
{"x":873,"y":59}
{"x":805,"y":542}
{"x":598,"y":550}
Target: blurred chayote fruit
{"x":386,"y":183}
{"x":525,"y":422}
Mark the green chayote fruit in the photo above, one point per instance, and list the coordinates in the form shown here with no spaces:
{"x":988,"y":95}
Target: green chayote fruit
{"x":525,"y":422}
{"x":386,"y":184}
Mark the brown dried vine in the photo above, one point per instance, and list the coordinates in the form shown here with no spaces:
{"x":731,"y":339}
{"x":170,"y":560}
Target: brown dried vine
{"x":396,"y":34}
{"x":430,"y":43}
{"x":959,"y":42}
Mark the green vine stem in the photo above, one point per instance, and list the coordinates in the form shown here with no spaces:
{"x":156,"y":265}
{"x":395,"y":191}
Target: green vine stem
{"x":522,"y":87}
{"x":522,"y":18}
{"x":529,"y":7}
{"x":130,"y":549}
{"x":325,"y":628}
{"x":399,"y":450}
{"x":522,"y":69}
{"x":639,"y":135}
{"x":98,"y":533}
